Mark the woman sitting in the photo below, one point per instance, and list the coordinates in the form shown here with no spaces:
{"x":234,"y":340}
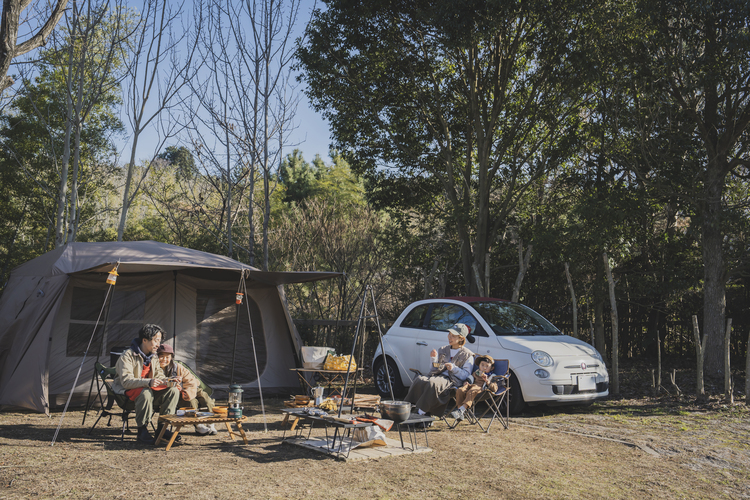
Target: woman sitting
{"x":192,"y":395}
{"x":452,"y":365}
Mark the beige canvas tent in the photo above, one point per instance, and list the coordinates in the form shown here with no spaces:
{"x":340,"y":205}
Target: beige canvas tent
{"x":52,"y":304}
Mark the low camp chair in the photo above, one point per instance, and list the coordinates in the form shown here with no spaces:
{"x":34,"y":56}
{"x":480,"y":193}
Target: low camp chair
{"x":496,"y":402}
{"x":104,"y":379}
{"x":208,"y":390}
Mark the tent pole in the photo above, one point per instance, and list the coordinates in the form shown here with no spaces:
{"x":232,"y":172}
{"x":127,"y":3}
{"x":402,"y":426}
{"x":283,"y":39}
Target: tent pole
{"x":354,"y":348}
{"x":98,"y":352}
{"x":255,"y":354}
{"x":85,"y":353}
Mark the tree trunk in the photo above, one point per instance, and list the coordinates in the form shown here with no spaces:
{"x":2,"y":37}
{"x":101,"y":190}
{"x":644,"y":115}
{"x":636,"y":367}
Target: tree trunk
{"x":700,"y":346}
{"x":615,"y":339}
{"x":599,"y":310}
{"x":572,"y":300}
{"x":523,"y":265}
{"x":714,"y":292}
{"x":727,"y":362}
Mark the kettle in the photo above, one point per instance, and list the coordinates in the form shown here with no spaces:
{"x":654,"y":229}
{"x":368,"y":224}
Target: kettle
{"x":317,"y":392}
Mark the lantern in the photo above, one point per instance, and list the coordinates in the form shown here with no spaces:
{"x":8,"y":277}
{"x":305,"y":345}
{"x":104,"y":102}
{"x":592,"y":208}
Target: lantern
{"x":112,"y":278}
{"x":235,"y":401}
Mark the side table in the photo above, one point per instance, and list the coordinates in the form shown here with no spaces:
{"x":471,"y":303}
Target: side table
{"x":410,"y":424}
{"x":179,"y":422}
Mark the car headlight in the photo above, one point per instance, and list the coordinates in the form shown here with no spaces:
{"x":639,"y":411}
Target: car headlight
{"x":598,"y":356}
{"x":541,"y":358}
{"x":541,"y":373}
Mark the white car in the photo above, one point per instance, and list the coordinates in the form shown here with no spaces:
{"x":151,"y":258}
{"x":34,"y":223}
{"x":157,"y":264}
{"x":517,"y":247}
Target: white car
{"x":547,"y":367}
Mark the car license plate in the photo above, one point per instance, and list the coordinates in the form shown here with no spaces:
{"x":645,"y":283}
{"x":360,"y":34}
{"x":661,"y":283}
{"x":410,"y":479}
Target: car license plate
{"x":586,"y":383}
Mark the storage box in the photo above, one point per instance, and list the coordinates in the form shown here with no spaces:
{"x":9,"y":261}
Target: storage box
{"x":313,"y":357}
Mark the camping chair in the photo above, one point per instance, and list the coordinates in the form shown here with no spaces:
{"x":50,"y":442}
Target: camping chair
{"x":496,"y":402}
{"x":104,"y":380}
{"x":208,"y":390}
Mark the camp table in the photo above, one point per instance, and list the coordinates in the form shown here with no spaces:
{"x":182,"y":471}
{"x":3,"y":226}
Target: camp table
{"x":341,"y":430}
{"x":179,"y":421}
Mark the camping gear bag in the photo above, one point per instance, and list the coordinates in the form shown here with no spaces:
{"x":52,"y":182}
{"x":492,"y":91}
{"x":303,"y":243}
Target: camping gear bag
{"x":339,"y":363}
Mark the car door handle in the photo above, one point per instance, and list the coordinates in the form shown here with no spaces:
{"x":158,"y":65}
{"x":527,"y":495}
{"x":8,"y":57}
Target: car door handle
{"x":421,"y":343}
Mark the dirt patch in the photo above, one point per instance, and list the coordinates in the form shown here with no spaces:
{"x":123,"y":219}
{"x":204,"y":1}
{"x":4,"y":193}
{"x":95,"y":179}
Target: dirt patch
{"x":633,"y":448}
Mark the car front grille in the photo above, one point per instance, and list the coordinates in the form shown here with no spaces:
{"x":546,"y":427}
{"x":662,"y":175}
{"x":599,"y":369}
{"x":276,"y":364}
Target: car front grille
{"x":568,"y":389}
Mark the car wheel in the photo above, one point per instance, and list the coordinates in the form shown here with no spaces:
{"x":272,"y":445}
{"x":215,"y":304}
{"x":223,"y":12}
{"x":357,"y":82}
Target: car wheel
{"x":381,"y":383}
{"x":517,"y":404}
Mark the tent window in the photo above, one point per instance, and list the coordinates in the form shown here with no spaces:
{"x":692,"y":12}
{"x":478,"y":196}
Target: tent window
{"x":125,"y":318}
{"x":215,"y":325}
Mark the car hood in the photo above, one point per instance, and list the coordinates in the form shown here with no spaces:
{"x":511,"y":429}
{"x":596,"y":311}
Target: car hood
{"x":554,"y":345}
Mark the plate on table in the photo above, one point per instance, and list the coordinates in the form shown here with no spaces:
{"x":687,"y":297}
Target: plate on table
{"x":204,"y":414}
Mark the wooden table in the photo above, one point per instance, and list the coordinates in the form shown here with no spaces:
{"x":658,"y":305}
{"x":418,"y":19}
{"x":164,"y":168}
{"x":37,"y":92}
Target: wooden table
{"x":179,"y":422}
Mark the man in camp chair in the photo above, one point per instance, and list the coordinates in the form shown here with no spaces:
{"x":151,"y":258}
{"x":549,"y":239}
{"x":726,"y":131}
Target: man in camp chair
{"x":466,"y":394}
{"x":142,"y":380}
{"x":188,"y":384}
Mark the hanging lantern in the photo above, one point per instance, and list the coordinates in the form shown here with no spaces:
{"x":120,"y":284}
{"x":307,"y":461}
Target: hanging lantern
{"x":238,"y":298}
{"x":112,"y":278}
{"x":235,"y":401}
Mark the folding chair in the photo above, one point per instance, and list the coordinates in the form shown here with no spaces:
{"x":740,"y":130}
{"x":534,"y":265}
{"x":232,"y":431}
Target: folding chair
{"x":104,"y":379}
{"x":496,"y":402}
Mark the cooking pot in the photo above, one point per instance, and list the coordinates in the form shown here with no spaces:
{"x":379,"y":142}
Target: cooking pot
{"x":398,"y":411}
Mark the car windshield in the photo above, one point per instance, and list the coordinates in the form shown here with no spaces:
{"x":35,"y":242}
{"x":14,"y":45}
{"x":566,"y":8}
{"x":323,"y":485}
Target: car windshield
{"x":506,"y":318}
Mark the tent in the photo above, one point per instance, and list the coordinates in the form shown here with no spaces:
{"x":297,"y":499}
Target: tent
{"x":51,"y":304}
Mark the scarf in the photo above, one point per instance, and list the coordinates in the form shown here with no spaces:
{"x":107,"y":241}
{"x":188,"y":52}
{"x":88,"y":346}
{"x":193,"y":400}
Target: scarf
{"x":135,"y":346}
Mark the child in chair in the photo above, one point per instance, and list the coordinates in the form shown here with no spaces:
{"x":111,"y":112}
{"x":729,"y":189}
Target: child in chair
{"x":191,"y":393}
{"x":466,"y":394}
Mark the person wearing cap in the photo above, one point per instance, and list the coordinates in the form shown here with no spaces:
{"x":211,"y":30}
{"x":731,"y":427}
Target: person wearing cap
{"x":143,"y":381}
{"x":192,"y":396}
{"x":466,"y":394}
{"x":452,"y":365}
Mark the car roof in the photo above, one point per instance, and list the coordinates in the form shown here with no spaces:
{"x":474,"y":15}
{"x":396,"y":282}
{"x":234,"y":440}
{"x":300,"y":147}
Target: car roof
{"x":474,"y":299}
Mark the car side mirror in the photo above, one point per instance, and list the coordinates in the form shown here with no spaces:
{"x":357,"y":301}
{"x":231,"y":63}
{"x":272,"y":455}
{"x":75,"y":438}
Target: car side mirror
{"x":471,"y":338}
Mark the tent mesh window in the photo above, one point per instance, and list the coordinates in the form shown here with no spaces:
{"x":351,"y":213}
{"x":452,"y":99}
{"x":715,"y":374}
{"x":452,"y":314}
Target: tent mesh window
{"x":125,"y":318}
{"x":215,"y":325}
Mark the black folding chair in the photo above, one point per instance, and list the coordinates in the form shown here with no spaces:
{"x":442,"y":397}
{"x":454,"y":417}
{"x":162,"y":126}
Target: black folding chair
{"x":126,"y":407}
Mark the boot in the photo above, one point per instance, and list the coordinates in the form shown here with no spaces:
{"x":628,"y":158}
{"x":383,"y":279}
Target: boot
{"x":144,"y":436}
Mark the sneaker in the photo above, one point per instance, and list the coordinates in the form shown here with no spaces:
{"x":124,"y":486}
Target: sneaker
{"x":202,"y":429}
{"x":213,"y":430}
{"x":145,"y":437}
{"x":458,"y":414}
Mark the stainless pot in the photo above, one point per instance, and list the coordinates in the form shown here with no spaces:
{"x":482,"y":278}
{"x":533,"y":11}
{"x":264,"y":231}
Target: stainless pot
{"x":398,"y":411}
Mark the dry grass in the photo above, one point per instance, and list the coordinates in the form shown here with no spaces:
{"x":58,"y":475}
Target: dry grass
{"x":635,"y":448}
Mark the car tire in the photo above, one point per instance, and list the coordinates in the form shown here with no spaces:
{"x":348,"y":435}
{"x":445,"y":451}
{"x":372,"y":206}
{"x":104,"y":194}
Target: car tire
{"x":381,"y":383}
{"x":517,"y":403}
